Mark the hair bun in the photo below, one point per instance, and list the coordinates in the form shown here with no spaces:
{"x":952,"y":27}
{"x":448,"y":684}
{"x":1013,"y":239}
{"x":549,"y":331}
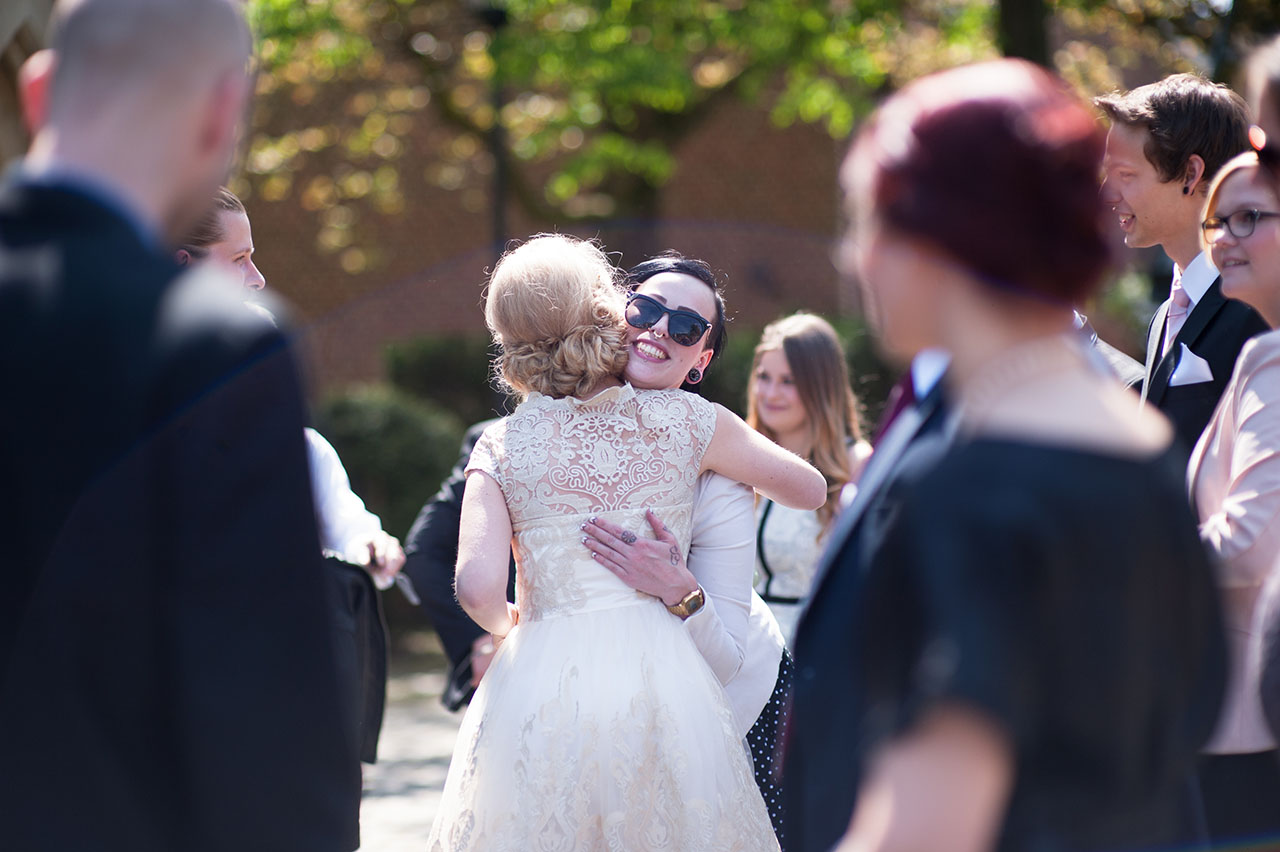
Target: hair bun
{"x":556,"y":308}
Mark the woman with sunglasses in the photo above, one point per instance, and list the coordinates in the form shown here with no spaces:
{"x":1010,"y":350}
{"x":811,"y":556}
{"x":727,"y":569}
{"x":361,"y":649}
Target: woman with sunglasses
{"x":675,"y":330}
{"x":1234,"y":476}
{"x":598,"y":724}
{"x":799,"y":397}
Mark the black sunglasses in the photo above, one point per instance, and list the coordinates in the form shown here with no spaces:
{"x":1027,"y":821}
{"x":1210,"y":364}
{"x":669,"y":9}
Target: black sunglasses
{"x":1268,"y":152}
{"x":1239,"y":224}
{"x":684,"y":327}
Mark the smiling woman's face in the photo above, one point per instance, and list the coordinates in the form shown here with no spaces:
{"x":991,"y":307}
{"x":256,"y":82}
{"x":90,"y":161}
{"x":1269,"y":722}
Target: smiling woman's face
{"x":1249,"y":266}
{"x":657,"y":362}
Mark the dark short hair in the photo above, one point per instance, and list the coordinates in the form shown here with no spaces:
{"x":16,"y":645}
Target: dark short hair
{"x":673,"y":261}
{"x":997,"y":165}
{"x":209,"y":229}
{"x":1183,"y":114}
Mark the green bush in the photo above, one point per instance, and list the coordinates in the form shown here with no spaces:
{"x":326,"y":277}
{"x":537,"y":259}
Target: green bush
{"x":453,"y":372}
{"x":396,"y":449}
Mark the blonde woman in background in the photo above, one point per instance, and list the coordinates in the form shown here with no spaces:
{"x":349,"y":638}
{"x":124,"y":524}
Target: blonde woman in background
{"x":799,"y":397}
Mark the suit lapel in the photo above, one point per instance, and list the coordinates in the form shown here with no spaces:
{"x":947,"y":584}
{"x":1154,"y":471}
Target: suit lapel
{"x":879,"y":467}
{"x":1155,"y":338}
{"x":1197,"y":321}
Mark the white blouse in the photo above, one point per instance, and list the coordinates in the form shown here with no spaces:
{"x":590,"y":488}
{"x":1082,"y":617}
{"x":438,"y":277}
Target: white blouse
{"x":736,"y":633}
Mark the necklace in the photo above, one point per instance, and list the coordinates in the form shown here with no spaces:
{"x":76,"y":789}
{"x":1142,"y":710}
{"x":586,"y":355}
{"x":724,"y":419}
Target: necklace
{"x":1019,"y":365}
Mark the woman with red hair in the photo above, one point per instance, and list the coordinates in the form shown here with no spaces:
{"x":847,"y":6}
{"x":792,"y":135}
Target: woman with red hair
{"x":1035,"y":651}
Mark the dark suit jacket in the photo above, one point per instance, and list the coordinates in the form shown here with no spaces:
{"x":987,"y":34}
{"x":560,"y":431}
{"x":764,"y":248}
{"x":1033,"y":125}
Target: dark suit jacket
{"x":820,"y":776}
{"x":1216,"y":330}
{"x":431,"y":554}
{"x":166,"y":661}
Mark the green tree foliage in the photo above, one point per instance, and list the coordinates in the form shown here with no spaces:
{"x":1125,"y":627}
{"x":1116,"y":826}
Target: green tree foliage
{"x":595,"y":96}
{"x":396,"y":448}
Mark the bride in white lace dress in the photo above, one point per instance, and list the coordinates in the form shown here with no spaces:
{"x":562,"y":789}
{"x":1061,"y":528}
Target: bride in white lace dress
{"x":598,"y":726}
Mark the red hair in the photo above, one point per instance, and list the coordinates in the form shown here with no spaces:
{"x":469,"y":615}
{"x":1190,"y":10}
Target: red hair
{"x":996,"y":164}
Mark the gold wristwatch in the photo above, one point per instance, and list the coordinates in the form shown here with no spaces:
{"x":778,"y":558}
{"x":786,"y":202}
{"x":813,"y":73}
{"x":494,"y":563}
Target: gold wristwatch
{"x":689,"y":604}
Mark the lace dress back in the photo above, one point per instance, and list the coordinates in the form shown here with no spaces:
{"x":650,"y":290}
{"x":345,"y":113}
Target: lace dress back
{"x":561,"y":461}
{"x":598,"y":726}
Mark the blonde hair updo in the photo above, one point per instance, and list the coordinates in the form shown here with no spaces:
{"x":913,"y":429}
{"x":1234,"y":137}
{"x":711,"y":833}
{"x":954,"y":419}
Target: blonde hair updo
{"x":556,"y":308}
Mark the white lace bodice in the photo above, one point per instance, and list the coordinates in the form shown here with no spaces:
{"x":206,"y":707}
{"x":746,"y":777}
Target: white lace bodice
{"x":560,"y":461}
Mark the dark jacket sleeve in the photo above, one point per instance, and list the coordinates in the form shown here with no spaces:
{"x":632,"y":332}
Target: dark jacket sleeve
{"x":258,"y":709}
{"x":431,"y":552}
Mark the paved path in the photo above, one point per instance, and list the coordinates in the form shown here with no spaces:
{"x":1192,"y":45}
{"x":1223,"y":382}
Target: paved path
{"x":402,"y":791}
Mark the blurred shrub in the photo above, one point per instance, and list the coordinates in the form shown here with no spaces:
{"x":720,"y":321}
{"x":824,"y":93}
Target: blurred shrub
{"x":451,"y":371}
{"x":396,"y":449}
{"x":872,"y":378}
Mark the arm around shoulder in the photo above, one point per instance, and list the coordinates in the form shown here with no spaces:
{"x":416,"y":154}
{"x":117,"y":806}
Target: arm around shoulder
{"x":739,"y":452}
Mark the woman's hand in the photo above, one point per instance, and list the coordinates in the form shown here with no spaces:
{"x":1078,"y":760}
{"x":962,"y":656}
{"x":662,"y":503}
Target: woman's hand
{"x":653,"y":566}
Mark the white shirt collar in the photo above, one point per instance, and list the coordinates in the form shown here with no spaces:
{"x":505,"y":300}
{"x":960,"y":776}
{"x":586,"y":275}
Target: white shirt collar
{"x":1198,"y":277}
{"x":927,"y":368}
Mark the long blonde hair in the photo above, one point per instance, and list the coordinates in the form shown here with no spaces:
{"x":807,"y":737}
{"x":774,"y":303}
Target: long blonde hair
{"x":821,"y":376}
{"x":556,"y":307}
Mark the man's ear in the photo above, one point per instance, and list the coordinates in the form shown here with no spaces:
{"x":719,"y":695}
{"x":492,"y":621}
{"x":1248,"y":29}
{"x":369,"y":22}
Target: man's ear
{"x":34,"y":78}
{"x":184,"y":257}
{"x":219,"y":121}
{"x":1194,"y":177}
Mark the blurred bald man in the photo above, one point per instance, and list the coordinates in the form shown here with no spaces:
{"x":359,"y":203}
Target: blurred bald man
{"x":166,"y":676}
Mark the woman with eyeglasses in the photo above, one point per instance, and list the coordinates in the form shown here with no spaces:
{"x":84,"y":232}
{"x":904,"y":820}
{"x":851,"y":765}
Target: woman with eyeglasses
{"x":598,"y":724}
{"x":675,"y":330}
{"x":1234,"y":476}
{"x":799,"y":397}
{"x":1264,"y":97}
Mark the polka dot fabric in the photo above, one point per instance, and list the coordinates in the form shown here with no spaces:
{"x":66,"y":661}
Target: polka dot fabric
{"x":765,"y":737}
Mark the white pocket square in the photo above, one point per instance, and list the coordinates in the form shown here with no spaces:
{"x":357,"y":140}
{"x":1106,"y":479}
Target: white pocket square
{"x":1191,"y":369}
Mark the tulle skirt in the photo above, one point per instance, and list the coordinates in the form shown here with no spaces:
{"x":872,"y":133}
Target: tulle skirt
{"x":601,"y":730}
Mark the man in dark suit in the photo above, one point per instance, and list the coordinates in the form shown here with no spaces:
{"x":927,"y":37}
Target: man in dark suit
{"x":1167,"y":141}
{"x":166,"y":662}
{"x":431,"y":553}
{"x":820,"y":777}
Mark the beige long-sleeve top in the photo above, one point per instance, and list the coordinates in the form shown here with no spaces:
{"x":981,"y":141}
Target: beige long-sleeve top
{"x":1234,"y":477}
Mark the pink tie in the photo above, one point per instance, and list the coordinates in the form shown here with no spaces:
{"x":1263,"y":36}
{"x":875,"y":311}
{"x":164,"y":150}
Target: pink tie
{"x":1179,"y":307}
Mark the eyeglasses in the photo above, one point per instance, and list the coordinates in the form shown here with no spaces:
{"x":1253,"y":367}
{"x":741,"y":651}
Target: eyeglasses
{"x":684,"y":327}
{"x":1239,"y":224}
{"x":1268,"y":154}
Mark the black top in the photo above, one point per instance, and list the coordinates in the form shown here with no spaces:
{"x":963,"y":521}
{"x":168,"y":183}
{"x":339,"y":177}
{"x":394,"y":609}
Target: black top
{"x":1065,"y":594}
